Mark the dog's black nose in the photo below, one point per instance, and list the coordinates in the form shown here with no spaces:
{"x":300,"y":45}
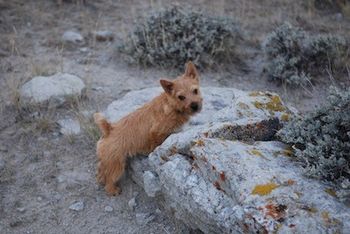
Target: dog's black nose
{"x":194,"y":106}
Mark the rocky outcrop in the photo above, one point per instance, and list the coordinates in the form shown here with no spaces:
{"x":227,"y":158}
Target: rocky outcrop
{"x":226,"y":173}
{"x":55,"y":89}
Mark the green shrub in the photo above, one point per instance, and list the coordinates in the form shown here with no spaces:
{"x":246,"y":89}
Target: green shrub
{"x":174,"y":36}
{"x":295,"y":58}
{"x":322,"y":140}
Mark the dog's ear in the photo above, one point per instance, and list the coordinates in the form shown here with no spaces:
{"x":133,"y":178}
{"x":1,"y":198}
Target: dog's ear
{"x":167,"y":85}
{"x":191,"y":71}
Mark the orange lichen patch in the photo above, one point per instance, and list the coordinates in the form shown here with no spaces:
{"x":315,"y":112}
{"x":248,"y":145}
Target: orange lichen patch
{"x":285,"y":117}
{"x":200,"y":142}
{"x":290,"y":182}
{"x":243,"y":106}
{"x":331,"y":192}
{"x":218,"y":186}
{"x":264,"y":189}
{"x":222,"y":176}
{"x":275,"y":211}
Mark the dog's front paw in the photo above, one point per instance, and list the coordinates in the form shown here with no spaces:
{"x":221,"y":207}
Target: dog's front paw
{"x":113,"y":190}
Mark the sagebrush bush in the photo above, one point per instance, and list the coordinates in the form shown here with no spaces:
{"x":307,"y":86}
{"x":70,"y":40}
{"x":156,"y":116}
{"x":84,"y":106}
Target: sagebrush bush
{"x":174,"y":36}
{"x":322,"y":140}
{"x":295,"y":58}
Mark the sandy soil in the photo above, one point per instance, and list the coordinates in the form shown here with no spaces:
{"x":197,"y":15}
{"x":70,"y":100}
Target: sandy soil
{"x":43,"y":172}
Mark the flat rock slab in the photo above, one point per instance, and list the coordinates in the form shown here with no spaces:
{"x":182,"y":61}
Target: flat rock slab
{"x":55,"y":89}
{"x":226,"y":173}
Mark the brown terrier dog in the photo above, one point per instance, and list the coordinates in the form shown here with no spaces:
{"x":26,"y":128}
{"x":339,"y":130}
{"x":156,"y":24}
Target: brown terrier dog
{"x":143,"y":130}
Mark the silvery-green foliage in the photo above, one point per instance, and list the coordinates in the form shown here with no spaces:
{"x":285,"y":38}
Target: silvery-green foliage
{"x":174,"y":36}
{"x":294,"y":57}
{"x":322,"y":140}
{"x":327,"y":51}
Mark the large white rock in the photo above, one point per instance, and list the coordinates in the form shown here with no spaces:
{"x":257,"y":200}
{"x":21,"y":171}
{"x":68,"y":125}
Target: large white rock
{"x":54,"y":89}
{"x":226,"y":173}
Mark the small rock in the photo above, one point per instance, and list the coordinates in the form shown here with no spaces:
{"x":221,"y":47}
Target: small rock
{"x":104,"y":35}
{"x":39,"y":198}
{"x":21,"y":209}
{"x":77,"y":206}
{"x":72,"y":37}
{"x":108,"y":209}
{"x":132,"y":203}
{"x":151,"y":183}
{"x":338,"y":16}
{"x":69,"y":126}
{"x":144,"y":218}
{"x":61,"y":178}
{"x":84,"y":49}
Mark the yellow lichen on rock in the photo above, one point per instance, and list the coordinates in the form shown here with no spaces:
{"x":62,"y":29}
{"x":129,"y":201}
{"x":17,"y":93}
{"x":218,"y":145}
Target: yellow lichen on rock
{"x":264,"y":189}
{"x":285,"y":117}
{"x":255,"y":152}
{"x":275,"y":104}
{"x":331,"y":192}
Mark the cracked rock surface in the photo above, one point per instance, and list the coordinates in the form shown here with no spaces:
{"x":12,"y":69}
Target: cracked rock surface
{"x":226,"y":173}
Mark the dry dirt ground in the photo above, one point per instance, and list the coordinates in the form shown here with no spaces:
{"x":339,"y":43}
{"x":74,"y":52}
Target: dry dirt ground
{"x":42,"y":172}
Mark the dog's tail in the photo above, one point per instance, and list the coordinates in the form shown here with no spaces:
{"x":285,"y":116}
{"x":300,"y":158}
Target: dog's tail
{"x":103,"y":124}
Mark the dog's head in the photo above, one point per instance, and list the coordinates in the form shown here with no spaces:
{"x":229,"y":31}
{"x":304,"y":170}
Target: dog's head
{"x":183,"y":93}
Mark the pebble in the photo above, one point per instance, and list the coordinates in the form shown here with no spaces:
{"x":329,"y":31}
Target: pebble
{"x":108,"y":208}
{"x":84,"y":49}
{"x":77,"y":206}
{"x":21,"y":209}
{"x":132,"y":203}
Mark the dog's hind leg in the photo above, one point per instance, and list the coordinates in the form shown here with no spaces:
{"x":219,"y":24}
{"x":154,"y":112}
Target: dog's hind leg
{"x":101,"y":174}
{"x":114,"y":171}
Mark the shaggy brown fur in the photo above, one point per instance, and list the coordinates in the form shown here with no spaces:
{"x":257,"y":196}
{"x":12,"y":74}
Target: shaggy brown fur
{"x":143,"y":130}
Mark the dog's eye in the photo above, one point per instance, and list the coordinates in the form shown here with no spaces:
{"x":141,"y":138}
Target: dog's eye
{"x":195,"y":91}
{"x":182,"y":97}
